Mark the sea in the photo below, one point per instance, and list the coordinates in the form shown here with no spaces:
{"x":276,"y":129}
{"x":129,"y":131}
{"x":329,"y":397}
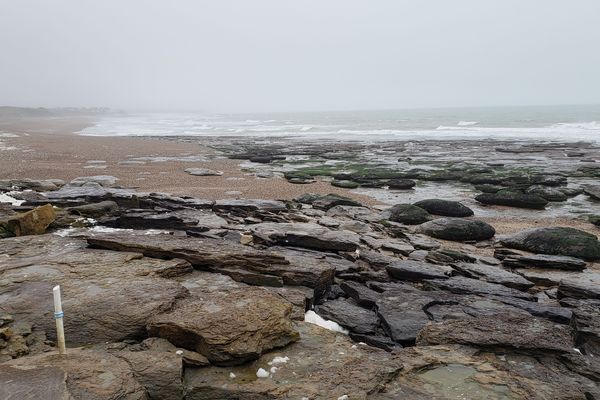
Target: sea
{"x":568,"y":123}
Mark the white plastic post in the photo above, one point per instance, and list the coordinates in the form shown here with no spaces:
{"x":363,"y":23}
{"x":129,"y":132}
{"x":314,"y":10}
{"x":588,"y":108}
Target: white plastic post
{"x":58,"y":316}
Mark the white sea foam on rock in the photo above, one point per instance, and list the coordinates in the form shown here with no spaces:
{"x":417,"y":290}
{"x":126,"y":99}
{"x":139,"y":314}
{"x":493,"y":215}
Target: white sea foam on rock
{"x":314,"y":318}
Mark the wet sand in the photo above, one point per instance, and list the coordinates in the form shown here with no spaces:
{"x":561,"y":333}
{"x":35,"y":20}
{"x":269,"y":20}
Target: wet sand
{"x":44,"y":148}
{"x":49,"y":148}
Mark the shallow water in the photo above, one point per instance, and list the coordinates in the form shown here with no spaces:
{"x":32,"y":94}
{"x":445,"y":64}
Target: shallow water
{"x":455,"y":382}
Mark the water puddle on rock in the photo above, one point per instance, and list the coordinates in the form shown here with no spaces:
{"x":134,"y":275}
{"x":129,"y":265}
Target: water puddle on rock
{"x":456,"y":382}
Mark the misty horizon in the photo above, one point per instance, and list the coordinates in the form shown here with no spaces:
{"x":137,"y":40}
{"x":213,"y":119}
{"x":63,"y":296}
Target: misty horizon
{"x":269,"y":56}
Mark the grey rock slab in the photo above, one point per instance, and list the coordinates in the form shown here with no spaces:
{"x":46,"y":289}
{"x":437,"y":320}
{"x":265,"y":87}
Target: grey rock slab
{"x":493,"y":274}
{"x":308,"y":235}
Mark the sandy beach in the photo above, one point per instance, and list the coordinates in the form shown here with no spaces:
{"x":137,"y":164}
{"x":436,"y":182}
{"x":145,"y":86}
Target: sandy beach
{"x":46,"y":148}
{"x":50,"y":148}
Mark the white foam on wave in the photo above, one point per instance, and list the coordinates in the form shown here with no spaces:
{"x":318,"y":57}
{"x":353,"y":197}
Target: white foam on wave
{"x":215,"y":126}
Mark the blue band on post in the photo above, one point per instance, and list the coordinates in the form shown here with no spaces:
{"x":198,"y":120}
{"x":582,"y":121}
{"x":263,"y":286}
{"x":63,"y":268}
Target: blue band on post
{"x":58,"y":315}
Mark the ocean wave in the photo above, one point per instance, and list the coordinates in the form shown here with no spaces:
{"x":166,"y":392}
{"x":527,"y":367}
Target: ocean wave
{"x":187,"y":125}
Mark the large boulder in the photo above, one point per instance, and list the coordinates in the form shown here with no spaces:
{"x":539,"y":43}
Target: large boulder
{"x":33,"y":222}
{"x":407,"y":214}
{"x":513,"y":198}
{"x":458,"y":229}
{"x":556,"y":241}
{"x":401,"y":184}
{"x":445,"y":208}
{"x":548,"y":193}
{"x":228,"y":328}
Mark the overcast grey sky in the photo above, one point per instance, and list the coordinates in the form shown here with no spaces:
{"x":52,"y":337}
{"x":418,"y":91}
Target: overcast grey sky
{"x":280,"y":55}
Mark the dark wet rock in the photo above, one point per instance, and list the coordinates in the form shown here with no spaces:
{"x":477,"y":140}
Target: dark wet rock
{"x":415,"y":271}
{"x":393,"y":245}
{"x":74,"y":196}
{"x":33,"y":222}
{"x":594,"y":219}
{"x":265,"y":158}
{"x":547,"y":193}
{"x":556,"y":241}
{"x":549,"y":180}
{"x":187,"y":219}
{"x":458,"y":229}
{"x":405,"y":310}
{"x":296,"y":268}
{"x":348,"y":315}
{"x":379,"y":341}
{"x":331,"y":200}
{"x":83,"y":374}
{"x":554,"y":313}
{"x":513,"y":198}
{"x":335,"y":292}
{"x":580,"y":287}
{"x":361,"y":294}
{"x":493,"y":274}
{"x":453,"y":255}
{"x":94,"y":210}
{"x":298,"y":177}
{"x":203,"y":172}
{"x":402,"y":313}
{"x":308,"y":235}
{"x":228,"y":328}
{"x":463,"y":285}
{"x":166,"y":201}
{"x":445,"y":208}
{"x":407,"y":214}
{"x":250,"y":205}
{"x":544,"y":261}
{"x":401,"y":184}
{"x":593,"y":191}
{"x":488,"y":188}
{"x":422,"y":242}
{"x":586,"y":323}
{"x":500,"y":331}
{"x":344,"y":184}
{"x":571,"y":191}
{"x":321,"y":363}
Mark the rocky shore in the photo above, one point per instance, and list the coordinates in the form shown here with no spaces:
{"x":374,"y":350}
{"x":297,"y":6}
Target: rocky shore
{"x":320,"y":297}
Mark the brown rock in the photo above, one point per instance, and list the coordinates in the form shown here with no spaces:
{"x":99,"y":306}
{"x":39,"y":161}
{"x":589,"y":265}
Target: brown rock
{"x":230,"y":328}
{"x":32,"y":222}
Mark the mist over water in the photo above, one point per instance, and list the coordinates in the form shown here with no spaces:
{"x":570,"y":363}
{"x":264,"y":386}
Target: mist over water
{"x":554,"y":123}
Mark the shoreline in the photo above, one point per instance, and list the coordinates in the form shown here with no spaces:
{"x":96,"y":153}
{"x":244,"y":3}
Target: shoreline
{"x":49,"y":148}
